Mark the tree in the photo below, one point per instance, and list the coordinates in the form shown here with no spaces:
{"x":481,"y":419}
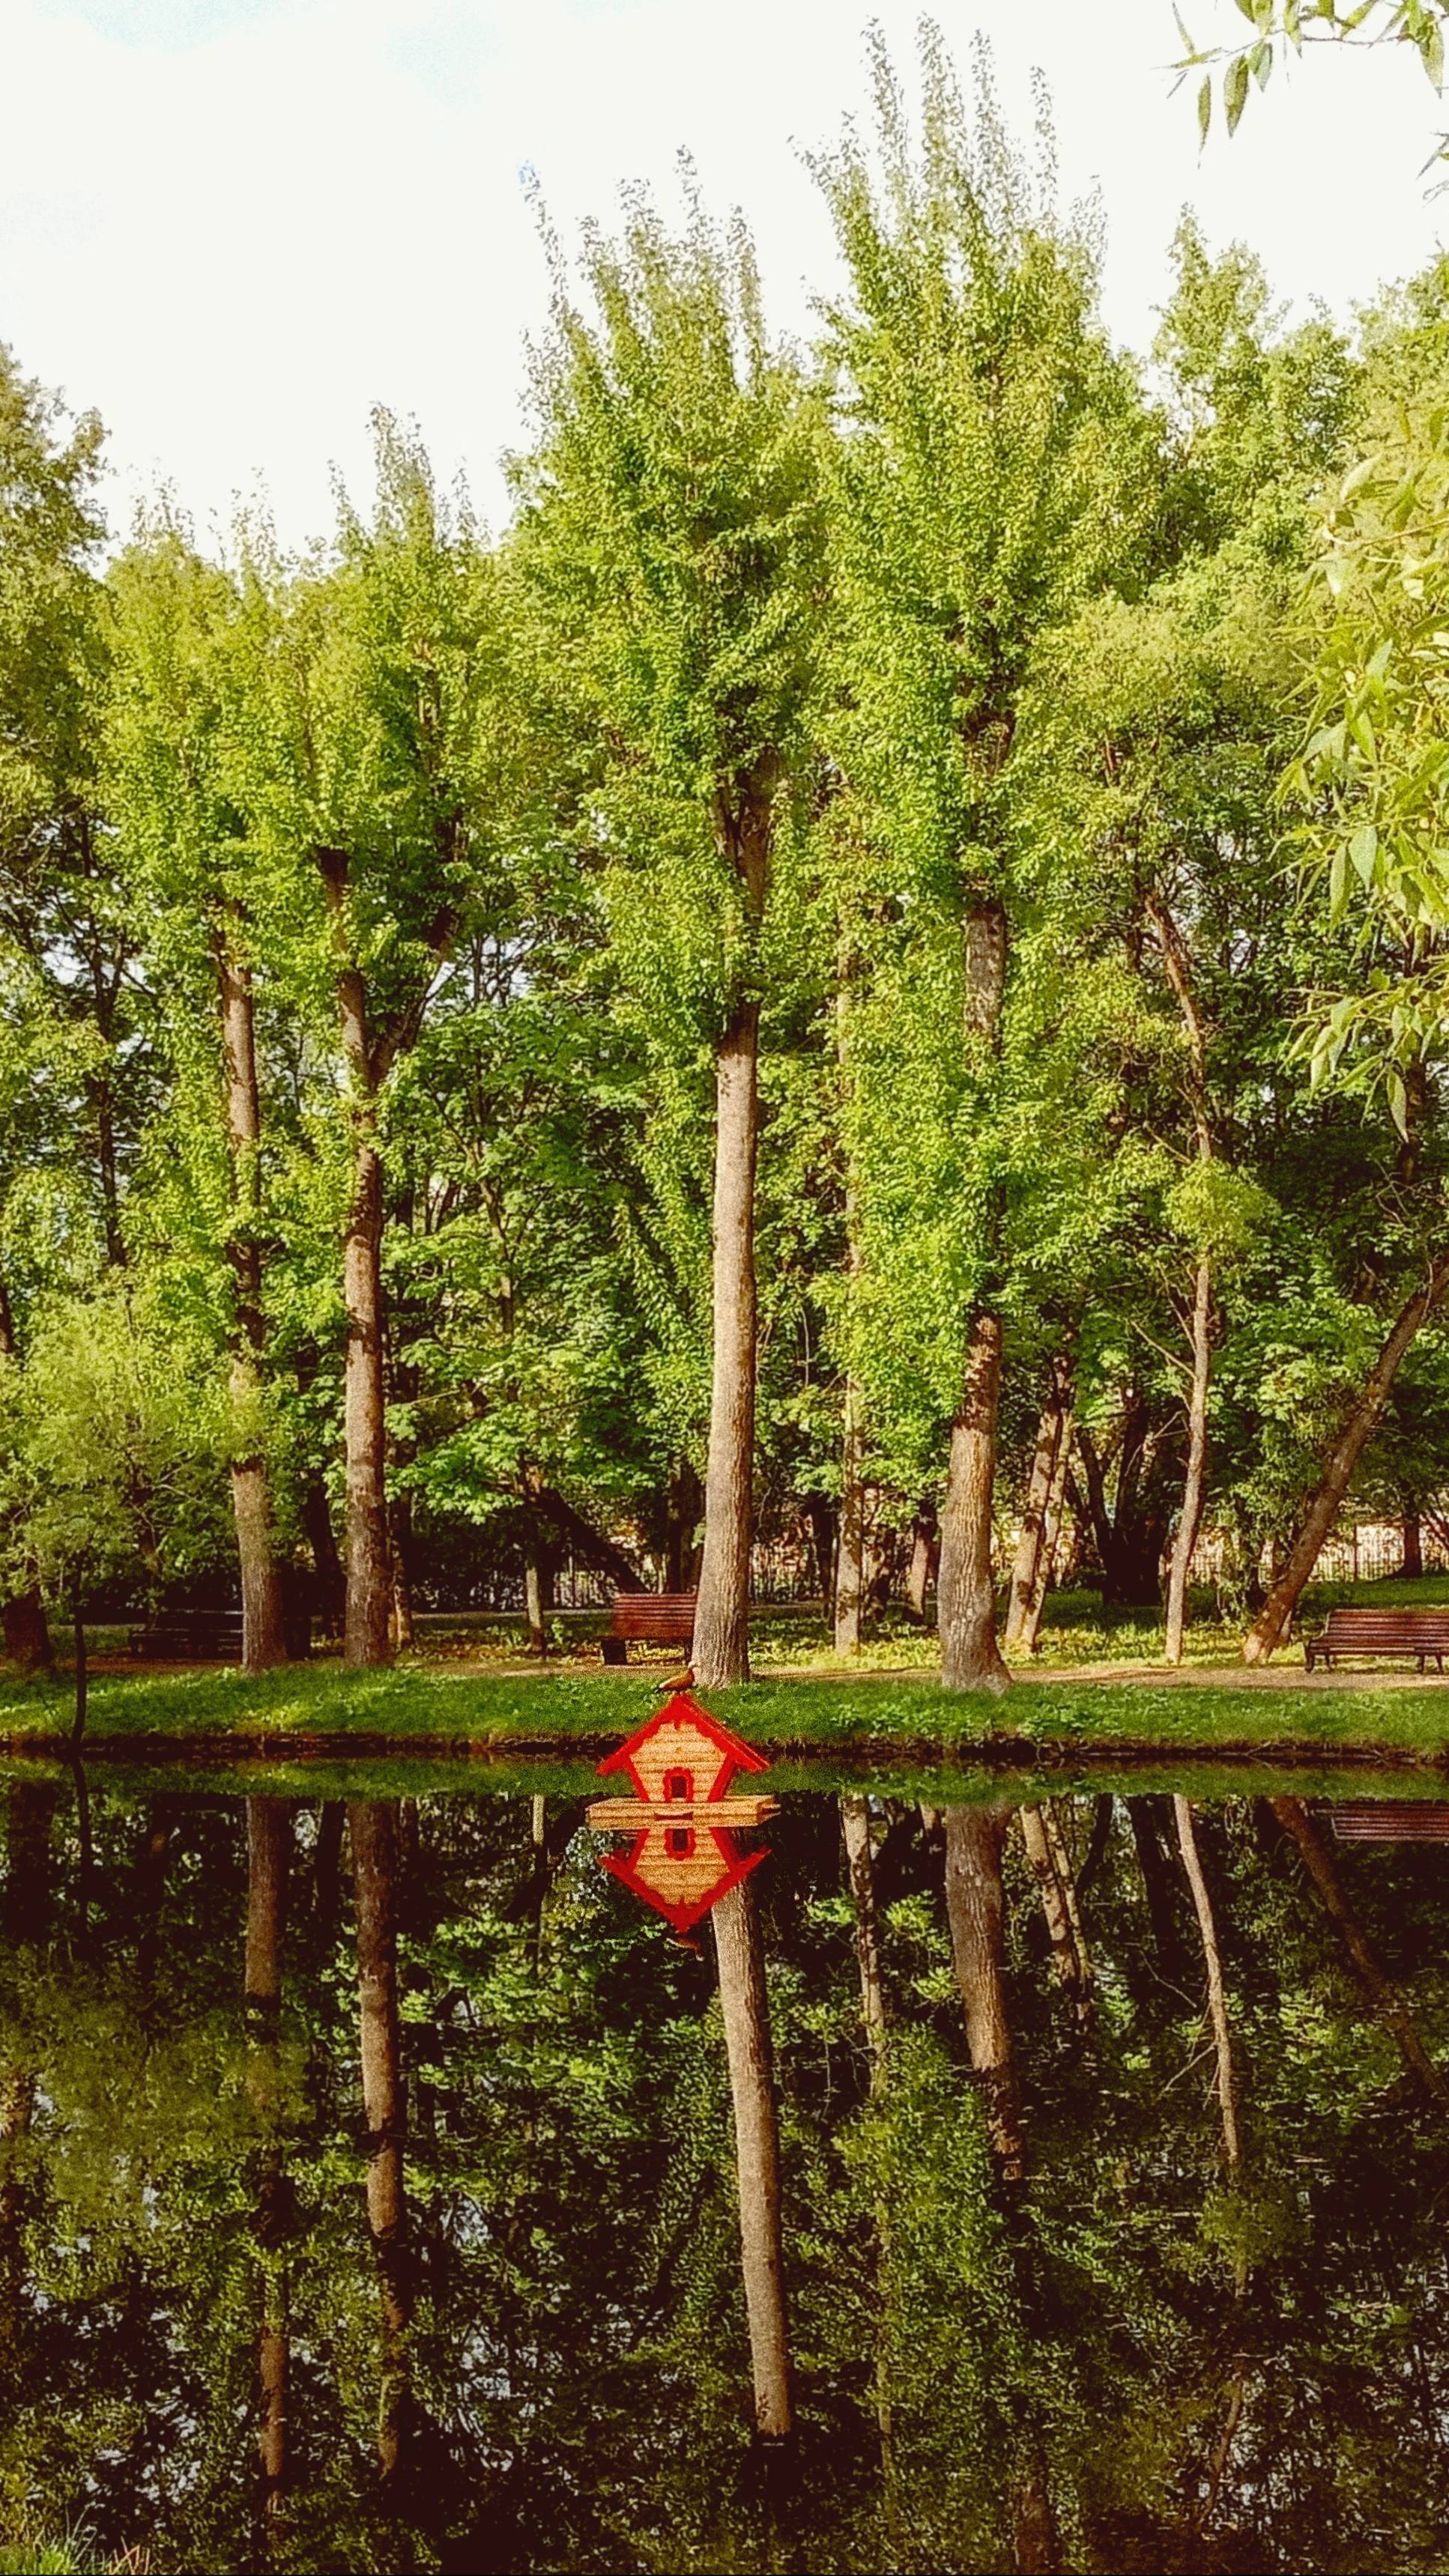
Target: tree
{"x":176,"y":712}
{"x":986,"y":478}
{"x":379,"y":751}
{"x":670,"y":532}
{"x":109,"y":1454}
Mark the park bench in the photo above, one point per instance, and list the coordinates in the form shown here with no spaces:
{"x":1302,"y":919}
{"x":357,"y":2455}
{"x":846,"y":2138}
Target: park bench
{"x":655,"y":1618}
{"x":211,"y":1636}
{"x":1377,"y":1634}
{"x":189,"y":1637}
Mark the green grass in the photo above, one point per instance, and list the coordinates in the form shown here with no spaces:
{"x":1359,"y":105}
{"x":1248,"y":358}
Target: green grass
{"x":413,"y":1706}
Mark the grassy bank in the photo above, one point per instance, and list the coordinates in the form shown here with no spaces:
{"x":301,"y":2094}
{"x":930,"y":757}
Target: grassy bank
{"x":421,"y":1707}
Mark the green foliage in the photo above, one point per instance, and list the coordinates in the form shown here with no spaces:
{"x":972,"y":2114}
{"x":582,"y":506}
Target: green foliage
{"x":1281,"y":27}
{"x":111,"y":1461}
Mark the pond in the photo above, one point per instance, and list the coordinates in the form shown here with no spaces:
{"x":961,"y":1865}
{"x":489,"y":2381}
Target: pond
{"x":370,"y":2194}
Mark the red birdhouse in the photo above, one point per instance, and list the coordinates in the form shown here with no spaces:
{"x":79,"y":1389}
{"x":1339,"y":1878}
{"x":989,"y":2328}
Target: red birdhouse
{"x":685,"y":1854}
{"x":683,"y":1753}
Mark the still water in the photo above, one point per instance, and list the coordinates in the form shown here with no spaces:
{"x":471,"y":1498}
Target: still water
{"x":381,"y":2184}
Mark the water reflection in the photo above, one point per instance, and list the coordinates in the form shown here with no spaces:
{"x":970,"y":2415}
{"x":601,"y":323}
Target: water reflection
{"x":985,"y":2186}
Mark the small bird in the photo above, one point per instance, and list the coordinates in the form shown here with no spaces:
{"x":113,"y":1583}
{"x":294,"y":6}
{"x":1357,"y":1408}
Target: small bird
{"x":681,"y":1681}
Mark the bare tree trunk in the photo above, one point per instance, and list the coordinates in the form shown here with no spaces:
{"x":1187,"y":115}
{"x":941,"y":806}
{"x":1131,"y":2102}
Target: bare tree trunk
{"x":269,"y":1843}
{"x":373,"y":1828}
{"x":1192,"y":1493}
{"x":966,"y":1592}
{"x":855,"y":1824}
{"x":533,"y":1600}
{"x":269,"y":1837}
{"x":400,"y":1538}
{"x":82,"y":1678}
{"x":976,"y":1913}
{"x":1157,"y":1885}
{"x":744,"y":2001}
{"x":966,"y":1596}
{"x":327,"y":1563}
{"x":1383,"y":1995}
{"x":1227,"y":2087}
{"x":327,"y":1862}
{"x":264,"y":1640}
{"x":1052,"y":1872}
{"x":1046,"y":1564}
{"x":1413,"y":1564}
{"x":1033,"y":1552}
{"x":922,"y":1567}
{"x":1268,"y":1629}
{"x":850,"y":1553}
{"x":27,"y":1632}
{"x":366,"y":1639}
{"x":721,"y":1622}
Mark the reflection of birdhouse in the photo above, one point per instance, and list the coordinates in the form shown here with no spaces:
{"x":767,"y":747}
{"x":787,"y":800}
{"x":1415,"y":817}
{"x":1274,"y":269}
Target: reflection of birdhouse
{"x":682,"y":1870}
{"x":685,"y":1855}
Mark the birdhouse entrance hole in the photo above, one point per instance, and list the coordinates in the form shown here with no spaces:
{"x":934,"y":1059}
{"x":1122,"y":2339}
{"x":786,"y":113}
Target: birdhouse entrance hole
{"x":678,"y":1784}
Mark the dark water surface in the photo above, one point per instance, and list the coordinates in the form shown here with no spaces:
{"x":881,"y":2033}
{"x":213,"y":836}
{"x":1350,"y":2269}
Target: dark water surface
{"x":429,"y":2254}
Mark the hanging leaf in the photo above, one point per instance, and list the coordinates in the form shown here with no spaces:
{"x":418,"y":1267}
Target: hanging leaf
{"x":1363,"y":849}
{"x":1235,"y":90}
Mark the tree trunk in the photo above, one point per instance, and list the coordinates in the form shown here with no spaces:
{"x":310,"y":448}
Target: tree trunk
{"x":327,"y":1862}
{"x":683,"y":1520}
{"x":1268,"y":1628}
{"x":82,"y":1679}
{"x":373,"y":1827}
{"x":400,"y":1540}
{"x":327,"y":1564}
{"x":1413,"y":1564}
{"x":744,"y":2002}
{"x":721,"y":1625}
{"x":976,"y":1913}
{"x":1384,"y":1998}
{"x":264,"y":1641}
{"x":850,"y":1554}
{"x":855,"y":1824}
{"x":269,"y":1842}
{"x":1157,"y":1887}
{"x":27,"y":1633}
{"x":1028,"y":1579}
{"x":366,"y":1638}
{"x":1052,"y":1872}
{"x":269,"y":1839}
{"x":533,"y":1600}
{"x":966,"y":1592}
{"x":1227,"y":2086}
{"x":1046,"y":1564}
{"x":922,"y":1567}
{"x":1192,"y":1493}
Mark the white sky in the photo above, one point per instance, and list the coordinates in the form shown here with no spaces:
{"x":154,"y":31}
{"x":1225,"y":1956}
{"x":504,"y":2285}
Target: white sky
{"x":234,"y":225}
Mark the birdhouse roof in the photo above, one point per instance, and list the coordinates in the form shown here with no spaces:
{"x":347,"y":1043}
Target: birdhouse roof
{"x":683,"y":1710}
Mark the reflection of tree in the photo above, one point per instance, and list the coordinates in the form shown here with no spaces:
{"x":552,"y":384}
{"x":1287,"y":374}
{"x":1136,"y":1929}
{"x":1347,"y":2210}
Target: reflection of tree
{"x":575,"y":2346}
{"x":745,"y":2006}
{"x":1383,"y":1996}
{"x":1227,"y":2076}
{"x":269,"y":1838}
{"x":975,"y":1911}
{"x":373,"y":1826}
